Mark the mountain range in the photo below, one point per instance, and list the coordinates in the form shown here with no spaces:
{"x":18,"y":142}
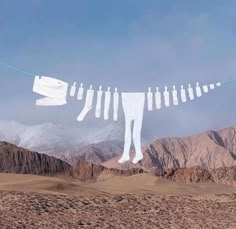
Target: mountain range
{"x":57,"y":140}
{"x":202,"y":155}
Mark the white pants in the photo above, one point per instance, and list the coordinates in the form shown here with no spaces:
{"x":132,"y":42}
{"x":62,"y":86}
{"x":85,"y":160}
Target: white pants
{"x":133,"y":106}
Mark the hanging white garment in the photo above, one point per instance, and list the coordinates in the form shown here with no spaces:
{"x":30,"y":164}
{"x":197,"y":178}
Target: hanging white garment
{"x":205,"y":88}
{"x":107,"y":104}
{"x":80,"y":92}
{"x":175,"y":96}
{"x":99,"y":103}
{"x":183,"y":94}
{"x":190,"y":92}
{"x":198,"y":90}
{"x":55,"y":91}
{"x":73,"y":89}
{"x":133,"y":106}
{"x":212,"y":86}
{"x":166,"y":97}
{"x":158,"y":98}
{"x":150,"y":99}
{"x":115,"y":105}
{"x":87,"y":106}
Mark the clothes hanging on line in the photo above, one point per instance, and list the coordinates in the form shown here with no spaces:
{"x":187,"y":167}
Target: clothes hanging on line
{"x":133,"y":107}
{"x":99,"y":103}
{"x":73,"y":89}
{"x":132,"y":103}
{"x":115,"y":105}
{"x":80,"y":92}
{"x":54,"y":90}
{"x":88,"y":104}
{"x":107,"y":104}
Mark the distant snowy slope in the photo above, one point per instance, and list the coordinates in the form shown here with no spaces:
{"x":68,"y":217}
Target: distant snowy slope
{"x":56,"y":139}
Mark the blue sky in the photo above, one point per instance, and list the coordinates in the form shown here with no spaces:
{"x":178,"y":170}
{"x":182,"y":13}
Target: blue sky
{"x":130,"y":44}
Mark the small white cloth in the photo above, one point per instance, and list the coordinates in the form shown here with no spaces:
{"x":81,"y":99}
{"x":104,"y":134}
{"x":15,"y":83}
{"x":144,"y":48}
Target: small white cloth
{"x":54,"y":90}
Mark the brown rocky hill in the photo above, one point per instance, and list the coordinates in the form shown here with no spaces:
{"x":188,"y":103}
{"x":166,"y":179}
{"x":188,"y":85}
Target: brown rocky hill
{"x":14,"y":159}
{"x":209,"y":150}
{"x":197,"y":174}
{"x":97,"y":152}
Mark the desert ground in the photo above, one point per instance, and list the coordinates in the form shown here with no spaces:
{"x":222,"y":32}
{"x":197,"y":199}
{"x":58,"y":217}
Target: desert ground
{"x":139,"y":201}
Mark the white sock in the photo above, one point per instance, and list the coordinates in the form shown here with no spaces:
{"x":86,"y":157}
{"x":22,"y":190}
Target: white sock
{"x":190,"y":92}
{"x":80,"y":92}
{"x":212,"y":86}
{"x":107,"y":104}
{"x":73,"y":89}
{"x":150,"y":99}
{"x":166,"y":97}
{"x":158,"y":98}
{"x":205,"y":88}
{"x":87,"y":106}
{"x":175,"y":96}
{"x":115,"y":105}
{"x":183,"y":94}
{"x":198,"y":90}
{"x":99,"y":103}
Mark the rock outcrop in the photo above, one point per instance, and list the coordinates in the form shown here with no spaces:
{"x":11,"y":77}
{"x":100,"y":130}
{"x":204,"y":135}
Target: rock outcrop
{"x":186,"y":175}
{"x":88,"y":172}
{"x":225,"y":175}
{"x":14,"y":159}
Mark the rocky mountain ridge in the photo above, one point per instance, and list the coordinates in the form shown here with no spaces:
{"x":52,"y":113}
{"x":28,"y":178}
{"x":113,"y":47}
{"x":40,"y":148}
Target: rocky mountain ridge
{"x":209,"y":150}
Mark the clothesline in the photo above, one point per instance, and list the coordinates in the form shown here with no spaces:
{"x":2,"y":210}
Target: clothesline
{"x":16,"y":69}
{"x":33,"y":75}
{"x":55,"y":94}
